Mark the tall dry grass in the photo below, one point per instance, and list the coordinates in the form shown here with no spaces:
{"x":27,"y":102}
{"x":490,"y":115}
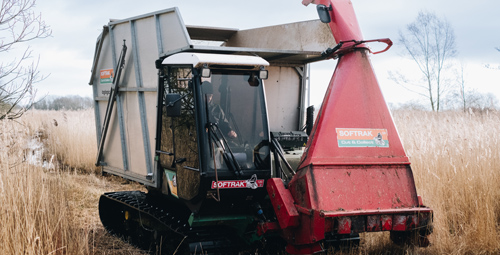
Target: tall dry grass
{"x":35,"y":216}
{"x":48,"y":189}
{"x":69,"y":136}
{"x":456,"y":163}
{"x":455,"y":160}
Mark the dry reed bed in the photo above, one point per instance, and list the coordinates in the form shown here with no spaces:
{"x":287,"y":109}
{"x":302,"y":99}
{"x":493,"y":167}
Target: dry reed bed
{"x":52,"y":208}
{"x":34,"y":214}
{"x":455,"y":159}
{"x":456,"y":163}
{"x":68,"y":135}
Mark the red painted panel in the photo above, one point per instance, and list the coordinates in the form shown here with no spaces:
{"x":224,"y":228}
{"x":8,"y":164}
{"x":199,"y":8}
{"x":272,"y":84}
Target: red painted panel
{"x":353,"y":101}
{"x":283,"y":203}
{"x":354,"y":188}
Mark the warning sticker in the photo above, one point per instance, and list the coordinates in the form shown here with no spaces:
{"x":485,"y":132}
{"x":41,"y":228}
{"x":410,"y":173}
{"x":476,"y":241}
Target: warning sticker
{"x":106,"y":76}
{"x":362,"y":137}
{"x":172,"y":182}
{"x":251,"y":183}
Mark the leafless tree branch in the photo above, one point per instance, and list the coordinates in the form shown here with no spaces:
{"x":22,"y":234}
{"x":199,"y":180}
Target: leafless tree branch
{"x":19,"y":25}
{"x":430,"y":43}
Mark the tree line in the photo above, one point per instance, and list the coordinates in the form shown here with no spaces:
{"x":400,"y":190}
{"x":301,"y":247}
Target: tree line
{"x":57,"y":103}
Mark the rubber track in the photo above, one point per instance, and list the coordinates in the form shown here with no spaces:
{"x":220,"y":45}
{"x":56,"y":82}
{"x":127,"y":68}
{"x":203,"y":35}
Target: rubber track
{"x":164,"y":221}
{"x":212,"y":242}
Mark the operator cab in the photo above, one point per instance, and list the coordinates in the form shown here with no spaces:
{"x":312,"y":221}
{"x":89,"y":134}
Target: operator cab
{"x":213,"y":124}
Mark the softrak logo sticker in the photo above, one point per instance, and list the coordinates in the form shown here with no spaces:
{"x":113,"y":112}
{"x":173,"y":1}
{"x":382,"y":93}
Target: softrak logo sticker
{"x":362,"y":137}
{"x":106,"y":76}
{"x":251,"y":183}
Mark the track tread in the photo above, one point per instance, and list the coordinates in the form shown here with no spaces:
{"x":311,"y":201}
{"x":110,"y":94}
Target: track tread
{"x":179,"y":230}
{"x":152,"y":219}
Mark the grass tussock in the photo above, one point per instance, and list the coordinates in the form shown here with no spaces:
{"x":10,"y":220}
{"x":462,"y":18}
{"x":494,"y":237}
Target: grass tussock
{"x":52,"y":209}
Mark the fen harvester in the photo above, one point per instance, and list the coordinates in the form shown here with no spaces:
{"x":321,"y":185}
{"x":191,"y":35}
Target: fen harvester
{"x":228,"y":168}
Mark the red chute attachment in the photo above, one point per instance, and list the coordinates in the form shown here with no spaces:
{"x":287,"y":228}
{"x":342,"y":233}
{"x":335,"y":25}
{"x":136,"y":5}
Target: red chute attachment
{"x":354,"y":175}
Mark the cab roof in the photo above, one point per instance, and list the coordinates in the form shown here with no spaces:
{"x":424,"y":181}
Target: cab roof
{"x":199,"y":59}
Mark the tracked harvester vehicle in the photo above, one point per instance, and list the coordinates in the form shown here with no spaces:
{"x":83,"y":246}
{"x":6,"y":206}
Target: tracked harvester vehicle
{"x":227,"y":165}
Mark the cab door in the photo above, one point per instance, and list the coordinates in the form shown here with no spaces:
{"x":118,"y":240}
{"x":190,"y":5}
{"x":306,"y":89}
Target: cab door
{"x":178,"y":148}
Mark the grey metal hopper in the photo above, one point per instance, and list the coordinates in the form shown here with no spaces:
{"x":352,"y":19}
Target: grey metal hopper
{"x":129,"y":147}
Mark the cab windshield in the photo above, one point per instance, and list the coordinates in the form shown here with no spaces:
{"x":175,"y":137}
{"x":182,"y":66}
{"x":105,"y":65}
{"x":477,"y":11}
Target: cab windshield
{"x":236,"y":121}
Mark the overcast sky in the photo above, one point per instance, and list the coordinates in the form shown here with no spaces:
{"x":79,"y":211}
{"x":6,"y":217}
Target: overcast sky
{"x":68,"y":54}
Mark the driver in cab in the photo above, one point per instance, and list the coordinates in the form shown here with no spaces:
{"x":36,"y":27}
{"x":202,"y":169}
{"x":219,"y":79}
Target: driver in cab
{"x":216,"y":114}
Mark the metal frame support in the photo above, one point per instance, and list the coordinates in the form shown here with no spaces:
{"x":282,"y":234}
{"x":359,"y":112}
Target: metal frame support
{"x":109,"y":109}
{"x":97,"y":114}
{"x":142,"y":103}
{"x":159,"y":39}
{"x":303,"y":72}
{"x":119,"y":108}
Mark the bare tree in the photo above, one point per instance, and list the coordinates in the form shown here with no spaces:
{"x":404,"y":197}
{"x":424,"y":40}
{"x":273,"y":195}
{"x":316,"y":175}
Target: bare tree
{"x":461,"y":86}
{"x":477,"y":101}
{"x":430,"y":43}
{"x":19,"y":24}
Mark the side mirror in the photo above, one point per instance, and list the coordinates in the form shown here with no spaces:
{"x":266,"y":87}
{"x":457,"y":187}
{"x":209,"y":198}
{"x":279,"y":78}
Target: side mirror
{"x":254,"y":80}
{"x":324,"y":13}
{"x":309,"y":119}
{"x":173,"y":104}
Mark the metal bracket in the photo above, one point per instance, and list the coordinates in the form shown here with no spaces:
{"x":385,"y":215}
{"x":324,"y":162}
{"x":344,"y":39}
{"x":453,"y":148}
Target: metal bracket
{"x":111,"y":101}
{"x":344,"y":47}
